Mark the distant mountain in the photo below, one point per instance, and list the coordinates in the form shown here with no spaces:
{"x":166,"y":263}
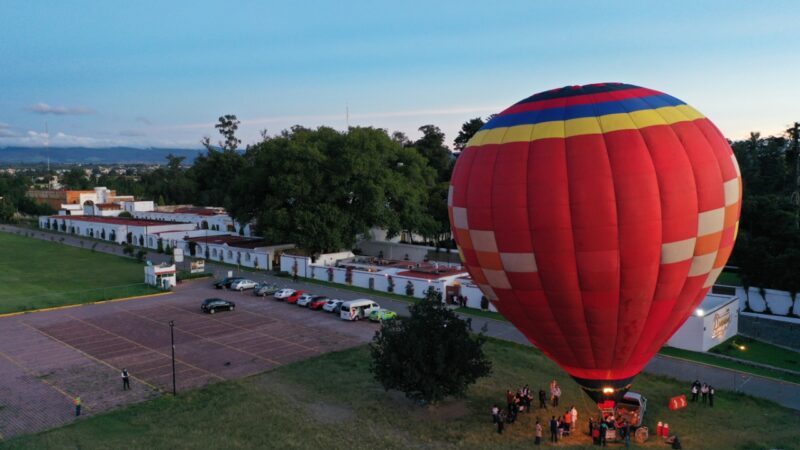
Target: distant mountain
{"x":84,"y":155}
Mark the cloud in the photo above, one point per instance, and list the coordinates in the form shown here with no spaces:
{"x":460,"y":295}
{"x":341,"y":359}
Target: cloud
{"x":132,"y":133}
{"x":144,"y":120}
{"x":44,"y":108}
{"x":6,"y":131}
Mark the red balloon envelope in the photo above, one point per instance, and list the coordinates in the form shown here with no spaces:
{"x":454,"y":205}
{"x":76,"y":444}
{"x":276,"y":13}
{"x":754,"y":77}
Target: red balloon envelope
{"x":596,"y":218}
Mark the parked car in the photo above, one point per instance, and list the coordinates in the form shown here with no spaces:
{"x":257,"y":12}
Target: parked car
{"x":265,"y":289}
{"x":333,"y":306}
{"x":318,"y":302}
{"x":295,"y":296}
{"x":212,"y":305}
{"x":284,"y":293}
{"x":226,"y":282}
{"x":241,"y":285}
{"x":304,"y":299}
{"x":357,"y":309}
{"x":379,"y":315}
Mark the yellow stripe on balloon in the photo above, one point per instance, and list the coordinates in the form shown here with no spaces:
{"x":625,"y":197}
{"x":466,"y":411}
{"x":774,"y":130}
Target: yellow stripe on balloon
{"x":561,"y":129}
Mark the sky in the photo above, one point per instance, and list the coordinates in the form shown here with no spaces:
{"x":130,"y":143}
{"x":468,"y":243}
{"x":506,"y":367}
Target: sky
{"x":142,"y":74}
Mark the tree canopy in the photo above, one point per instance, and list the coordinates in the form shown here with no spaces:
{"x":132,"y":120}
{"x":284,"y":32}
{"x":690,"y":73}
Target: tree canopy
{"x":429,"y":356}
{"x":322,"y":188}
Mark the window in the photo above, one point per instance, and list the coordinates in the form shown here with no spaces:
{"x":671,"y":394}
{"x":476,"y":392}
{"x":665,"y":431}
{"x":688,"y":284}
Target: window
{"x":230,"y":254}
{"x":214,"y":252}
{"x":247,"y":257}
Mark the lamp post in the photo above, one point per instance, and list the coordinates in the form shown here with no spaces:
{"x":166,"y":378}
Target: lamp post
{"x":172,"y":339}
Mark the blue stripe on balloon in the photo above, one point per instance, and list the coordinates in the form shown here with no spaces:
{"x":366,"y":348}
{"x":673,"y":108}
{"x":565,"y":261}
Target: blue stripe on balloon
{"x":580,"y":111}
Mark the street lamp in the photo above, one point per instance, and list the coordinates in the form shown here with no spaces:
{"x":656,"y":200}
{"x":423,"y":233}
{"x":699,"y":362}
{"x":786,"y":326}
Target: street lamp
{"x":172,"y":339}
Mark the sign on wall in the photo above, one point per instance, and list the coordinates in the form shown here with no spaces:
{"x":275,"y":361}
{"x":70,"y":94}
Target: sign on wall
{"x":722,"y":319}
{"x":198,"y":266}
{"x":177,"y":255}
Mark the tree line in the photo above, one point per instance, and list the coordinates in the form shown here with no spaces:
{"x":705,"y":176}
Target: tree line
{"x":767,"y":249}
{"x":322,"y":188}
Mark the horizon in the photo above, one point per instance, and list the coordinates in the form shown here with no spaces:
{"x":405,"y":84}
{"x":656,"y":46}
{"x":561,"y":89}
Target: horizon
{"x":120,"y":75}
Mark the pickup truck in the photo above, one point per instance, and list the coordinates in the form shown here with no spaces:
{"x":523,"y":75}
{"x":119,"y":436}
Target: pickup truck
{"x":631,"y":408}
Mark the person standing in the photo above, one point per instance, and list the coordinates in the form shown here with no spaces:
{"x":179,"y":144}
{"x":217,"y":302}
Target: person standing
{"x":126,"y":380}
{"x":711,"y":393}
{"x":77,"y":402}
{"x":556,"y":395}
{"x":603,"y":430}
{"x":574,"y":412}
{"x":495,"y":413}
{"x":500,"y":421}
{"x":542,"y":399}
{"x":704,"y":393}
{"x":626,"y":433}
{"x":553,"y":429}
{"x":695,"y":390}
{"x":509,"y":399}
{"x":538,"y":440}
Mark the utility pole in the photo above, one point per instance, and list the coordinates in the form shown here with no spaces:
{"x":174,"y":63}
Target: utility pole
{"x":795,"y":132}
{"x":172,"y":338}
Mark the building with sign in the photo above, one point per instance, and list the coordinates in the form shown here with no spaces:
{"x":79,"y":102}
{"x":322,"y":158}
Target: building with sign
{"x":713,"y":322}
{"x":161,"y":276}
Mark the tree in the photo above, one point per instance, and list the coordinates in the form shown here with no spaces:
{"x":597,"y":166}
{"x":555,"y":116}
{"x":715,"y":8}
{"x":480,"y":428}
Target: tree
{"x":468,"y":129}
{"x":125,"y":215}
{"x":227,"y":126}
{"x":431,"y":146}
{"x":429,"y":356}
{"x":332,"y":187}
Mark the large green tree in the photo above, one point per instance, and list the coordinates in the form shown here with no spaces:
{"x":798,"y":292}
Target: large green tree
{"x":429,"y":356}
{"x":322,"y":188}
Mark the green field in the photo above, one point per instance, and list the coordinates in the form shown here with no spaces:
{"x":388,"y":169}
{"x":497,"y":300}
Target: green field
{"x":759,"y":352}
{"x":331,"y":402}
{"x":38,"y":274}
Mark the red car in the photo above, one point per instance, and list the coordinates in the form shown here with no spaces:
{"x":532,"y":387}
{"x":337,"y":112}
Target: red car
{"x":318,"y":302}
{"x":294,"y":297}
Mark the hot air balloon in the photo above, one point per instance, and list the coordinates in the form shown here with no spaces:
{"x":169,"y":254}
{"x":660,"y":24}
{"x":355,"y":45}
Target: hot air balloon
{"x":595,"y":218}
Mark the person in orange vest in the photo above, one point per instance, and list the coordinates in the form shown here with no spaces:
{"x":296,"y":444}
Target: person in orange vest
{"x":568,"y":421}
{"x":77,"y":402}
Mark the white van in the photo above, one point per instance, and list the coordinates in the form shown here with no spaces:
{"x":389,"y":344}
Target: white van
{"x":357,"y":309}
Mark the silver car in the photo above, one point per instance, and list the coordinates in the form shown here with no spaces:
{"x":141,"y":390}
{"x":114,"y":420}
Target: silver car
{"x":265,"y":289}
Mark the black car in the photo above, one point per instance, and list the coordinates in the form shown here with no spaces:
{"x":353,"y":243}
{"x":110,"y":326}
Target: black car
{"x":226,"y":282}
{"x":212,"y":305}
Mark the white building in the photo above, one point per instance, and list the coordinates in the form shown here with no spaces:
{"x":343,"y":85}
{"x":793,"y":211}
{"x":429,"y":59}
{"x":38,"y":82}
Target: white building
{"x":398,"y":277}
{"x":162,"y":276}
{"x":237,"y":250}
{"x":714,"y":322}
{"x":111,"y":229}
{"x":215,"y":219}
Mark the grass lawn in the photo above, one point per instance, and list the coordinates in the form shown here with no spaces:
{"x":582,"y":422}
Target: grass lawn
{"x":709,"y":358}
{"x":331,"y":402}
{"x":759,"y":352}
{"x":40,"y":274}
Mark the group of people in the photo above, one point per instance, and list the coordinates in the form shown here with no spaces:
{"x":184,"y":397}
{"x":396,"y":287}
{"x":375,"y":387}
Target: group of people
{"x":516,"y":402}
{"x":521,"y":400}
{"x":562,"y":425}
{"x":598,"y":429}
{"x":704,"y":391}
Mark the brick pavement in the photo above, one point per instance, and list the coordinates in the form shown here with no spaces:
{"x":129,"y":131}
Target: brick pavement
{"x":47,"y":358}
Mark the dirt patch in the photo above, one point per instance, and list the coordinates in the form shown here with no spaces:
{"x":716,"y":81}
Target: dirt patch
{"x":329,"y":414}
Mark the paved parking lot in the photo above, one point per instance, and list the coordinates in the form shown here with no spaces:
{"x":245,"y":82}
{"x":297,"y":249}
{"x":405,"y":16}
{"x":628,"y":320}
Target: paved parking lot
{"x":48,"y":358}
